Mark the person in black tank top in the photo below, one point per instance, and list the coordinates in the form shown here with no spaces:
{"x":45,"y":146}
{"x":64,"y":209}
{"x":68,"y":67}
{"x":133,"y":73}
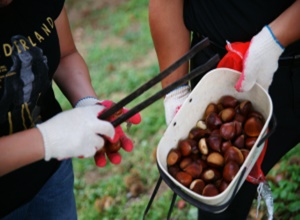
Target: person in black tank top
{"x":178,"y":25}
{"x":36,"y":182}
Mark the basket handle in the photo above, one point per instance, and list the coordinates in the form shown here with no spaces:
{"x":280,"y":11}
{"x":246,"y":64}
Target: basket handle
{"x":271,"y":131}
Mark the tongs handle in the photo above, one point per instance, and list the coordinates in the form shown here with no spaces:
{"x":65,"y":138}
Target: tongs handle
{"x":191,"y":53}
{"x":211,"y":63}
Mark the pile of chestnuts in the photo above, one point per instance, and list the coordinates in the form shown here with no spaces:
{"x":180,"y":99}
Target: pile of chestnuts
{"x":210,"y":157}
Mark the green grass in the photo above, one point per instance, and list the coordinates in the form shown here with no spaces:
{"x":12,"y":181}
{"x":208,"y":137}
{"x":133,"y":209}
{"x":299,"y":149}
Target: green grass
{"x":114,"y":39}
{"x":120,"y":56}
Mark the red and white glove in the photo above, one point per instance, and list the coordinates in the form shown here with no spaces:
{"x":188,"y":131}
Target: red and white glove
{"x":257,"y":59}
{"x":75,"y":133}
{"x":174,"y":100}
{"x":126,"y":143}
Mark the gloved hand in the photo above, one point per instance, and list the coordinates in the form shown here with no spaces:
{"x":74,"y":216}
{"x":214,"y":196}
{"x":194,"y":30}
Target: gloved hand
{"x":174,"y":100}
{"x":126,"y":143}
{"x":257,"y":59}
{"x":75,"y":133}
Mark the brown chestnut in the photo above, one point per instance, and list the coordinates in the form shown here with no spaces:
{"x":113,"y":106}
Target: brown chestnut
{"x":202,"y":163}
{"x":211,"y":107}
{"x":230,"y":170}
{"x":213,"y":121}
{"x":194,"y":169}
{"x":227,"y":114}
{"x":215,"y":159}
{"x":185,"y":162}
{"x":257,"y":115}
{"x":234,"y":154}
{"x":173,"y":157}
{"x":197,"y":186}
{"x":238,"y":127}
{"x":214,"y":142}
{"x":210,"y":190}
{"x":239,"y":117}
{"x":185,"y":147}
{"x":220,"y":107}
{"x":184,"y":178}
{"x":194,"y":145}
{"x":245,"y":107}
{"x":227,"y":130}
{"x":173,"y":170}
{"x":225,"y":145}
{"x":253,"y":126}
{"x":228,"y":101}
{"x":196,"y":133}
{"x":239,"y":142}
{"x":210,"y":175}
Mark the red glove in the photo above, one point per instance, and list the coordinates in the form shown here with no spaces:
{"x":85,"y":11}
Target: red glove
{"x":126,"y":143}
{"x":235,"y":55}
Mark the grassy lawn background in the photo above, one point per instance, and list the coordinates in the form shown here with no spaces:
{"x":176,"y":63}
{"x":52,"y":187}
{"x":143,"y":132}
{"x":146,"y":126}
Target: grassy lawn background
{"x":114,"y":38}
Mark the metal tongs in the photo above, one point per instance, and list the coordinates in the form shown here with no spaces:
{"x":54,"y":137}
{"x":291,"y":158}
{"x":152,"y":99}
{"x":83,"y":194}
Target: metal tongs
{"x":211,"y":63}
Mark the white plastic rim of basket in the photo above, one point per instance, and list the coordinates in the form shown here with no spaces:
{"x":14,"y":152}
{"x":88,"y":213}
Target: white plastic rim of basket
{"x":211,"y":88}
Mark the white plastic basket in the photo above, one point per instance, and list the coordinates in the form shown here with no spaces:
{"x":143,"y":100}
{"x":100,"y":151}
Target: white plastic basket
{"x":211,"y":87}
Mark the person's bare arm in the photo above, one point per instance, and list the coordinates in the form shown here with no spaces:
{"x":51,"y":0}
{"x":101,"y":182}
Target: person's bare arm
{"x":286,"y":27}
{"x":20,"y":149}
{"x":72,"y":75}
{"x":26,"y":147}
{"x":170,"y":37}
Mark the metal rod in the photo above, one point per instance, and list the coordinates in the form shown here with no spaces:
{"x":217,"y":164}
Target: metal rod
{"x":191,"y":53}
{"x":211,"y":63}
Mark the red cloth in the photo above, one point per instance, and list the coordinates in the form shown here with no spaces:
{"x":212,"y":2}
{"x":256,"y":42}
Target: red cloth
{"x":126,"y":143}
{"x":235,"y":55}
{"x":234,"y":59}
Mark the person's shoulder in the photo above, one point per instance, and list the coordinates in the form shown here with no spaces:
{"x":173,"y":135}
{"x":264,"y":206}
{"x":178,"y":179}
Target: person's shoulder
{"x":57,"y":7}
{"x":53,"y":6}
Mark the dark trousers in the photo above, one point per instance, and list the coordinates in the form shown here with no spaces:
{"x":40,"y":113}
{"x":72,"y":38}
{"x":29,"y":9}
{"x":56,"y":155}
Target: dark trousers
{"x":285,"y":94}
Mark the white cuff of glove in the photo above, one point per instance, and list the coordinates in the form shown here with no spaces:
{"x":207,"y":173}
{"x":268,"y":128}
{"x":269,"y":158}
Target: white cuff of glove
{"x":86,"y":101}
{"x":174,"y":100}
{"x":262,"y":59}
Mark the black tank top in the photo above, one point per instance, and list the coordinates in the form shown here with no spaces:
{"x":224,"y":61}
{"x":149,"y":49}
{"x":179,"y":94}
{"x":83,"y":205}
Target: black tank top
{"x":29,"y":56}
{"x":232,"y":20}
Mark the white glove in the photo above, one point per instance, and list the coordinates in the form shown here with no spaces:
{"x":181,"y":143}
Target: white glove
{"x":75,"y":133}
{"x":173,"y":101}
{"x":260,"y":61}
{"x":86,"y":101}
